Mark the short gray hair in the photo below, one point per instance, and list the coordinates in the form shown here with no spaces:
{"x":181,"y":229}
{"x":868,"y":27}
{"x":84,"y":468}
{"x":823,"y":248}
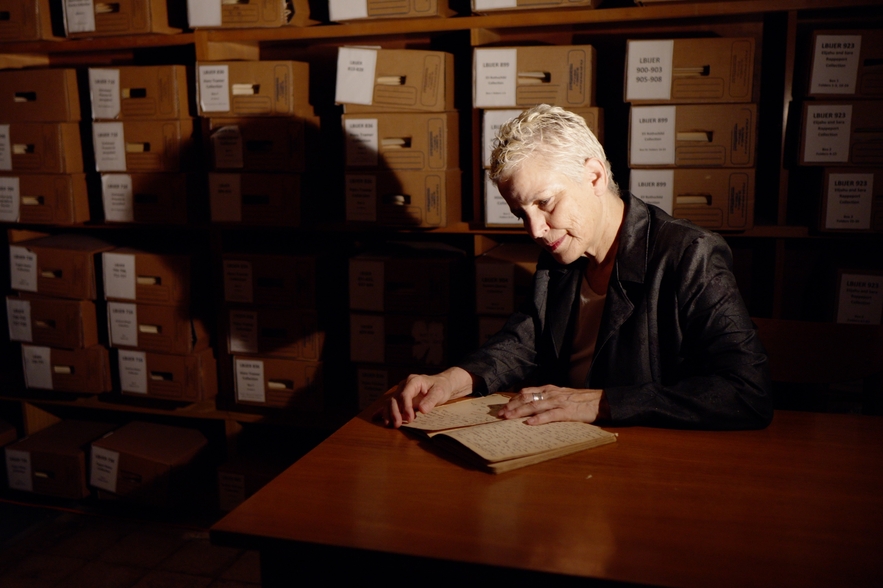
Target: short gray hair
{"x":559,"y":135}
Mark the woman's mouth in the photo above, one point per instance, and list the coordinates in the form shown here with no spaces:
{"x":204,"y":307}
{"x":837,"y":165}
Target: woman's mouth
{"x":554,"y":245}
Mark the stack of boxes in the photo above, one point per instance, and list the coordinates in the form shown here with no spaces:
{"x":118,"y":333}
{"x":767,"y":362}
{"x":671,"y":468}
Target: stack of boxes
{"x":274,"y":336}
{"x":162,"y":342}
{"x":507,"y":80}
{"x":221,"y":14}
{"x":93,"y":18}
{"x":54,"y":314}
{"x":404,"y":318}
{"x":503,"y":284}
{"x":840,"y":150}
{"x":258,"y":127}
{"x":41,"y":158}
{"x":693,"y":128}
{"x":355,"y":10}
{"x":144,"y":143}
{"x":401,"y":135}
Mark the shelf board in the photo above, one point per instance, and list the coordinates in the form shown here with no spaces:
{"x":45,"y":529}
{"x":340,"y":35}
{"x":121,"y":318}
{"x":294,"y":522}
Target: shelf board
{"x":99,"y":44}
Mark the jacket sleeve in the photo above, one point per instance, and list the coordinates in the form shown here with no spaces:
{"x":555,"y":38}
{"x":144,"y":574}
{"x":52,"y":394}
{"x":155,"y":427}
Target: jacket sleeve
{"x":710,"y":369}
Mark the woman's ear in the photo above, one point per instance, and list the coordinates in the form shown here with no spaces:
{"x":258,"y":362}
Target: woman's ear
{"x":596,"y":175}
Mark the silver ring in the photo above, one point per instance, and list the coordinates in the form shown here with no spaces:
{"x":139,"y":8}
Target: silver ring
{"x":536,"y":396}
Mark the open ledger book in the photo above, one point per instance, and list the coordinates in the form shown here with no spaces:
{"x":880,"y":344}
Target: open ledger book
{"x":470,"y":429}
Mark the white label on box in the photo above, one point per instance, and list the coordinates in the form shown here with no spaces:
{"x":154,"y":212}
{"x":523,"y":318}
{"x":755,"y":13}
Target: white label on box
{"x":104,"y":91}
{"x":649,"y":70}
{"x":494,"y":288}
{"x":118,"y":197}
{"x":492,"y":4}
{"x":654,"y":186}
{"x":367,"y":338}
{"x":347,"y":9}
{"x":10,"y":200}
{"x":652,"y":138}
{"x":238,"y":283}
{"x":122,"y":319}
{"x":225,"y":197}
{"x":496,"y":209}
{"x":79,"y":15}
{"x":227,"y":147}
{"x":214,"y":88}
{"x":104,"y":466}
{"x":243,"y":331}
{"x":119,"y":275}
{"x":361,"y":198}
{"x":133,"y":371}
{"x":361,"y":141}
{"x":494,"y":74}
{"x":204,"y":13}
{"x":861,"y":299}
{"x":18,"y":315}
{"x":5,"y":149}
{"x":22,"y":269}
{"x":355,"y":75}
{"x":827,"y":128}
{"x":18,"y":470}
{"x":366,"y":284}
{"x":835,"y":64}
{"x":371,"y":385}
{"x":109,"y":145}
{"x":231,"y":490}
{"x":249,"y":380}
{"x":37,"y":366}
{"x":849,"y":201}
{"x":491,"y":122}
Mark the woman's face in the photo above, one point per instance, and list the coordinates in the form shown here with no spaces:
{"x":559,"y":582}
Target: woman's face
{"x":564,"y":217}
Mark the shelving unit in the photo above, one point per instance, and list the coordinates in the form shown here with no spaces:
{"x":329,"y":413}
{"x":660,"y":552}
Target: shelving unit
{"x":764,"y":254}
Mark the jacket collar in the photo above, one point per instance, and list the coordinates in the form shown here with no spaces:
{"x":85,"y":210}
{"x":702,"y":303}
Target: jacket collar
{"x":631,"y":259}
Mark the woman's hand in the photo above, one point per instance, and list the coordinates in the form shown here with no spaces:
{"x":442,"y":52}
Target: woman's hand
{"x":549,"y":403}
{"x":423,"y":393}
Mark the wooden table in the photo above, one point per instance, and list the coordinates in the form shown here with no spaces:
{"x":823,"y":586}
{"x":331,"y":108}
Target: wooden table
{"x":797,"y":504}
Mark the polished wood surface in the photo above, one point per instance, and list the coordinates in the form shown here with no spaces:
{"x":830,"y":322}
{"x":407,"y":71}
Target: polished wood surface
{"x":797,"y":504}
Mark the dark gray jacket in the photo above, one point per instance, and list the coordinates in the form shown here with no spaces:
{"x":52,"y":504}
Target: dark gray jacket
{"x":676,"y":346}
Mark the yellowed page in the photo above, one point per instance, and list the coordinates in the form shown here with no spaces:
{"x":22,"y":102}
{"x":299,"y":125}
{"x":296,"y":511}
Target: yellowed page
{"x":474,"y":411}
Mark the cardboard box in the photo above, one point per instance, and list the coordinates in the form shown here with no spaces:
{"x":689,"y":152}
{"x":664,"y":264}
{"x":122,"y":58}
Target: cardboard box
{"x":253,"y":88}
{"x":8,"y":433}
{"x":718,"y":199}
{"x":860,"y":297}
{"x":39,"y":95}
{"x":154,"y":198}
{"x":277,"y":382}
{"x":687,"y":135}
{"x":492,"y":120}
{"x":148,"y":463}
{"x":149,"y":327}
{"x":59,"y":265}
{"x":393,"y":80}
{"x":496,"y":211}
{"x":404,"y":199}
{"x":54,"y":199}
{"x":281,"y":280}
{"x":52,"y":462}
{"x":52,"y":322}
{"x":349,"y":10}
{"x":374,"y":380}
{"x":402,"y":141}
{"x":504,"y":278}
{"x":52,"y":148}
{"x":841,"y":133}
{"x":690,"y":71}
{"x":189,"y":377}
{"x":852,"y":200}
{"x":259,"y":144}
{"x":497,"y":6}
{"x":84,"y":371}
{"x":139,"y":92}
{"x":255,"y":199}
{"x":510,"y":77}
{"x":27,"y":20}
{"x":122,"y":17}
{"x":405,"y":279}
{"x":275,"y":332}
{"x":244,"y":14}
{"x":242,"y":475}
{"x":151,"y":278}
{"x":398,"y":339}
{"x":846,"y":64}
{"x":143,"y":145}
